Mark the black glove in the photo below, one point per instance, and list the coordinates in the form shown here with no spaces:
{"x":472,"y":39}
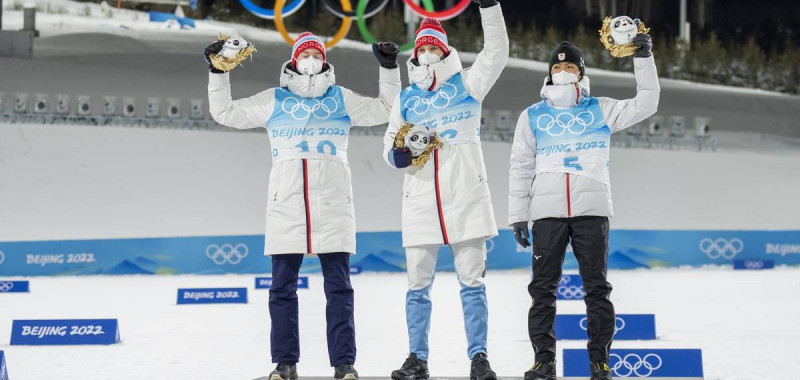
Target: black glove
{"x":386,"y":53}
{"x":214,"y":48}
{"x":521,"y":234}
{"x":486,"y":3}
{"x":644,"y":44}
{"x":401,"y":157}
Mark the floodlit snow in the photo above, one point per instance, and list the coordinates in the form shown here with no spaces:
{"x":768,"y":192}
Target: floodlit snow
{"x":745,"y":323}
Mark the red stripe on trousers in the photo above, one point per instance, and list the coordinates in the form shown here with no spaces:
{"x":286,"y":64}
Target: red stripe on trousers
{"x":308,"y":209}
{"x":438,"y":195}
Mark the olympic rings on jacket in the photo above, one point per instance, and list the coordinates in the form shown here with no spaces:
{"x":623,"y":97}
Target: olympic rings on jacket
{"x":361,"y":22}
{"x":346,"y":22}
{"x":269,"y":14}
{"x":441,"y":15}
{"x":340,"y":13}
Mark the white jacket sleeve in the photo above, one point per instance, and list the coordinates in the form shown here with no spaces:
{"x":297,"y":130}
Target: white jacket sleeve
{"x":521,"y":171}
{"x":246,"y":113}
{"x":621,"y":114}
{"x":491,"y":61}
{"x":365,"y":111}
{"x":395,"y":122}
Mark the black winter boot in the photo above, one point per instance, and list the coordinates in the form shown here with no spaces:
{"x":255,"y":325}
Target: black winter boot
{"x":345,"y":372}
{"x":412,"y":369}
{"x":541,"y":371}
{"x":284,"y":371}
{"x":600,"y":371}
{"x":480,"y":369}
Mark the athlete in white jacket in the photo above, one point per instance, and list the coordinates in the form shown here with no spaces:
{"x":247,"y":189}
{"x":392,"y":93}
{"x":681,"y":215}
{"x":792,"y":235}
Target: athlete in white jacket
{"x":559,"y":180}
{"x":447,"y":201}
{"x":310,"y":205}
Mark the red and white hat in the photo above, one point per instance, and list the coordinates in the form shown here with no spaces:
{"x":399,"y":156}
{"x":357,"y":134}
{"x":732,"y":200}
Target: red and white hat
{"x":430,"y":32}
{"x":305,"y":41}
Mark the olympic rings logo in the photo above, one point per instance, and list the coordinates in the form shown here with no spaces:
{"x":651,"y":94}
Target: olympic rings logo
{"x":345,"y":11}
{"x":619,"y":324}
{"x":563,"y":122}
{"x":322,"y":109}
{"x":6,"y":286}
{"x":633,"y":364}
{"x":754,"y":264}
{"x":227,"y":253}
{"x":571,"y":292}
{"x":440,"y":100}
{"x":721,"y":248}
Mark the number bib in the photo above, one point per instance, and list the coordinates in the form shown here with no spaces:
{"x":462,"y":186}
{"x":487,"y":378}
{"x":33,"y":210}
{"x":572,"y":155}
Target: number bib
{"x":571,"y":140}
{"x":309,"y":127}
{"x":450,"y":110}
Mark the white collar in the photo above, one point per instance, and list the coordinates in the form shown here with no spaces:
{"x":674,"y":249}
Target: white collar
{"x":422,"y":75}
{"x":566,"y":95}
{"x":307,"y":86}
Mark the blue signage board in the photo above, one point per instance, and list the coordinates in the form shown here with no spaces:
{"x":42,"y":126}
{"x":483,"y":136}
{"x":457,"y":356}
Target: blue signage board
{"x":753,"y":264}
{"x":570,"y":287}
{"x":64,"y":332}
{"x":356,"y":269}
{"x":628,"y":327}
{"x":266,"y":282}
{"x":3,"y":368}
{"x":212,"y":295}
{"x":379,"y":252}
{"x":14,"y":286}
{"x":639,"y":363}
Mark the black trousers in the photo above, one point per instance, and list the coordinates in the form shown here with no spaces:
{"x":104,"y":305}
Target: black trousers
{"x":589,"y":238}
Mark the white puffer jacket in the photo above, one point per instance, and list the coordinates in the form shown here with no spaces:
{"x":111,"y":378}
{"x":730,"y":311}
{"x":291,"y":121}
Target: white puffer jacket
{"x":447,"y":200}
{"x":537,"y":192}
{"x":308,"y":119}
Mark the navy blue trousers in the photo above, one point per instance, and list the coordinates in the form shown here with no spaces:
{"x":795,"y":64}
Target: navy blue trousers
{"x":284,"y":337}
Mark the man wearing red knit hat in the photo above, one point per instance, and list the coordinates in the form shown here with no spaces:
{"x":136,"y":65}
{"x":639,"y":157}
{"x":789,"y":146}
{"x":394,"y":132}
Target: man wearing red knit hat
{"x":446,"y":200}
{"x":309,"y":206}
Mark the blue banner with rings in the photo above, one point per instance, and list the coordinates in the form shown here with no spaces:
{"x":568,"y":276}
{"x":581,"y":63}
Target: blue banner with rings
{"x":627,"y":327}
{"x":3,"y":369}
{"x":378,"y":252}
{"x":14,"y":286}
{"x":639,"y":363}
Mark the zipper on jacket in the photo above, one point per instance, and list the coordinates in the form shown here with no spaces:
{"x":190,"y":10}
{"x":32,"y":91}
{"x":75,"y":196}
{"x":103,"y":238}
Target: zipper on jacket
{"x":438,"y":195}
{"x":308,"y":210}
{"x":569,"y":202}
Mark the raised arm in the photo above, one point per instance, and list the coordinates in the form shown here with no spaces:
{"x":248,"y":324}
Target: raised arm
{"x":365,"y":111}
{"x":621,"y":114}
{"x":521,"y":171}
{"x":490,"y":62}
{"x":246,"y":113}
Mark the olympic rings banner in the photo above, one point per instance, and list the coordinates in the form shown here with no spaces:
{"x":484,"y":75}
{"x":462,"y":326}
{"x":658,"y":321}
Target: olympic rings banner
{"x":364,"y":9}
{"x":378,"y":252}
{"x":639,"y":363}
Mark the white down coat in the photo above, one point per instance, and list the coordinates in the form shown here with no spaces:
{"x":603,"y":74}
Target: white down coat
{"x":536,"y":192}
{"x":447,"y":200}
{"x":310,"y":204}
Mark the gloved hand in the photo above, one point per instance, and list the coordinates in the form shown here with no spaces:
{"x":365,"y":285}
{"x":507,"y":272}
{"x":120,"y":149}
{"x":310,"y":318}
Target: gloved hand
{"x":400,"y":157}
{"x":214,"y":48}
{"x":486,"y":3}
{"x":521,"y":234}
{"x":645,"y":45}
{"x":386,"y":53}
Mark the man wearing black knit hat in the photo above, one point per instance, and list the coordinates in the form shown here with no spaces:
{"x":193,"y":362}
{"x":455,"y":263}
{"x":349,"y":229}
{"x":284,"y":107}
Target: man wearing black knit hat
{"x":559,"y":179}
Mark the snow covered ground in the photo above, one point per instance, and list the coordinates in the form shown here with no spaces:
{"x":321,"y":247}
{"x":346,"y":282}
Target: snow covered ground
{"x":745,"y":323}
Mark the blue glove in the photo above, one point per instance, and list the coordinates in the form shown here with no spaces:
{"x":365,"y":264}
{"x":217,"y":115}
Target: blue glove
{"x":400,"y":157}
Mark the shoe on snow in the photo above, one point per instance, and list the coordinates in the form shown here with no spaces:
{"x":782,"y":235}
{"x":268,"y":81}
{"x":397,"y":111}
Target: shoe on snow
{"x":600,"y":371}
{"x":480,"y":369}
{"x":412,"y":369}
{"x":284,"y":371}
{"x":345,"y":372}
{"x":541,"y":371}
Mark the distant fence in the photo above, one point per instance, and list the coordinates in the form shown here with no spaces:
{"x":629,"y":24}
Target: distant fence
{"x":378,"y":252}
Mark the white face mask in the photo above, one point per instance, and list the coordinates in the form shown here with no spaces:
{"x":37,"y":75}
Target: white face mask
{"x":428,"y":58}
{"x":309,"y":66}
{"x":564,"y":77}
